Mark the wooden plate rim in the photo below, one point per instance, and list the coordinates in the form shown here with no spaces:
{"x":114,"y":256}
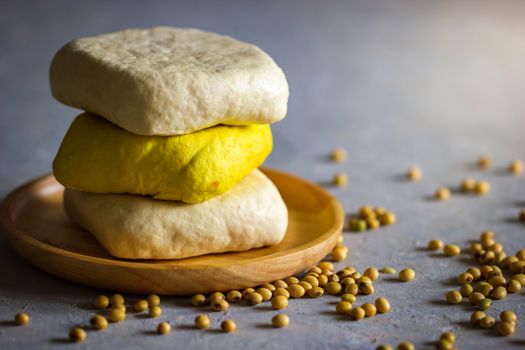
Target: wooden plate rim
{"x":12,"y":231}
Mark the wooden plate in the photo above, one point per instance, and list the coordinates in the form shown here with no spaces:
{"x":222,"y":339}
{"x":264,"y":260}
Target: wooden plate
{"x":39,"y":230}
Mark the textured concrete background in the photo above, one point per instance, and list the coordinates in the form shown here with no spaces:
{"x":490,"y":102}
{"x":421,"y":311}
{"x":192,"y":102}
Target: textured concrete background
{"x":397,"y":83}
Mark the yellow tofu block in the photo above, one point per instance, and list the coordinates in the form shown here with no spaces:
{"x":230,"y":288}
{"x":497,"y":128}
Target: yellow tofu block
{"x":98,"y":156}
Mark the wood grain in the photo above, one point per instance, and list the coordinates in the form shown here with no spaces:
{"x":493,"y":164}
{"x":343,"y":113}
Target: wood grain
{"x":37,"y":227}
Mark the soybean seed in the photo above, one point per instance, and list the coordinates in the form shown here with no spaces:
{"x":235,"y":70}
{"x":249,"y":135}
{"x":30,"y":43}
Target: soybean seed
{"x":520,"y":277}
{"x":120,"y":307}
{"x":155,"y":311}
{"x":116,"y":315}
{"x":444,"y":344}
{"x":340,"y":179}
{"x":365,"y":211}
{"x":281,"y":283}
{"x":382,"y":305}
{"x":314,"y":282}
{"x":326,"y":265}
{"x":475,"y":272}
{"x":349,"y":298}
{"x":163,"y":328}
{"x":101,"y":302}
{"x":509,"y":260}
{"x":484,"y":162}
{"x":333,"y":278}
{"x":484,"y":288}
{"x":466,"y":290}
{"x":487,"y":322}
{"x":202,"y":321}
{"x":484,"y":304}
{"x":296,"y":291}
{"x":481,"y":187}
{"x":265,"y":293}
{"x":476,"y":317}
{"x":279,"y":302}
{"x":379,"y":211}
{"x":475,"y":247}
{"x":316,"y":292}
{"x":517,"y":266}
{"x":245,"y":292}
{"x":475,"y":298}
{"x":142,"y":305}
{"x":499,"y":293}
{"x":371,"y":273}
{"x":388,"y":270}
{"x":343,"y":307}
{"x":228,"y":326}
{"x":467,"y":185}
{"x":513,"y":286}
{"x":77,"y":334}
{"x":506,"y":328}
{"x":280,"y":321}
{"x":497,"y":281}
{"x":407,"y":275}
{"x":435,"y":244}
{"x":451,"y":250}
{"x":366,"y":288}
{"x":154,"y":300}
{"x":22,"y":319}
{"x":333,"y":288}
{"x":496,"y":247}
{"x":448,"y":336}
{"x":356,"y":275}
{"x":307,"y":286}
{"x":388,"y":218}
{"x":370,"y":309}
{"x":442,"y":194}
{"x":292,"y":280}
{"x":269,"y":286}
{"x":116,"y":299}
{"x":406,"y":345}
{"x":254,"y":298}
{"x":347,"y":280}
{"x":357,"y":225}
{"x":454,"y":297}
{"x":220,"y":305}
{"x":357,"y":313}
{"x":216,"y":296}
{"x":233,"y":296}
{"x":198,"y":300}
{"x":414,"y":174}
{"x":352,"y":289}
{"x":363,"y":279}
{"x":98,"y":322}
{"x":508,"y":316}
{"x":384,"y":347}
{"x":339,"y":253}
{"x":281,"y":291}
{"x":516,"y":167}
{"x":372,"y":223}
{"x":338,"y":155}
{"x":465,"y":278}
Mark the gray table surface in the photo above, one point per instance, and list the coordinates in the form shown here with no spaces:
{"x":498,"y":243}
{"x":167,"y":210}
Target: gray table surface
{"x":396,"y":83}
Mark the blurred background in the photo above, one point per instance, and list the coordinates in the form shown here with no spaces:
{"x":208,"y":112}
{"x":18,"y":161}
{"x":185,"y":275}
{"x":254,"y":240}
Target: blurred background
{"x":383,"y":77}
{"x":396,"y":83}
